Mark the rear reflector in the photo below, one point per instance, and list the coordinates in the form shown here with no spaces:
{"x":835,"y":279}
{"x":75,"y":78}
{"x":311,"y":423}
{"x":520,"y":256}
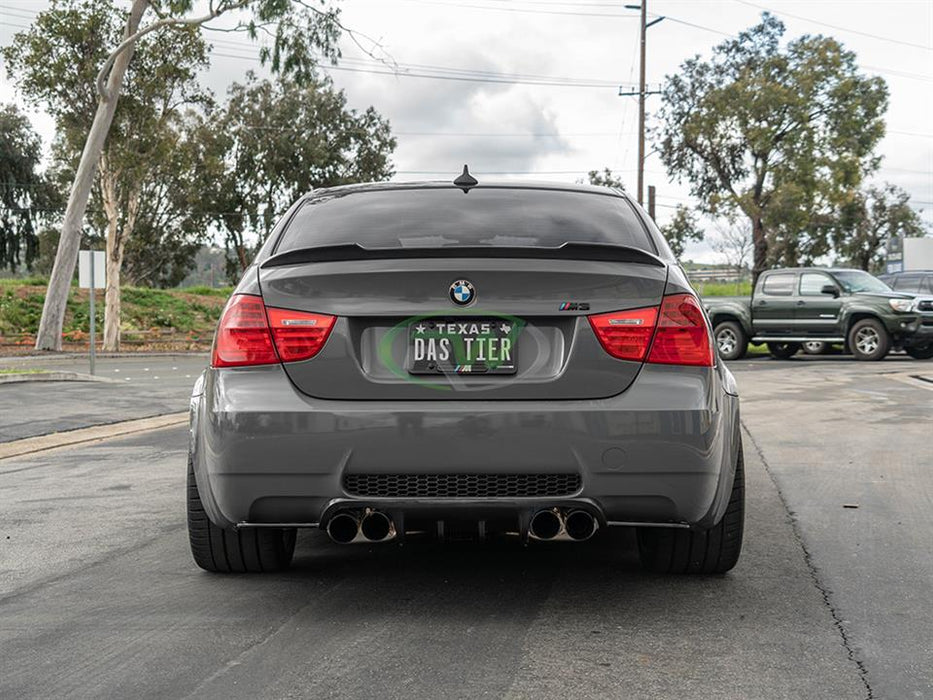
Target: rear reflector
{"x":626,"y":335}
{"x":251,"y":334}
{"x":679,"y":331}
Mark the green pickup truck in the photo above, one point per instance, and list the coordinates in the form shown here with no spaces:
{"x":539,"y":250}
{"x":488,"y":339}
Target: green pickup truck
{"x":790,"y":307}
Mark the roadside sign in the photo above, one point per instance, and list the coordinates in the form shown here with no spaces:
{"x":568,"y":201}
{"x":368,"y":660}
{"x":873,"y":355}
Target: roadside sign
{"x":894,"y":259}
{"x":92,"y":275}
{"x":86,"y":274}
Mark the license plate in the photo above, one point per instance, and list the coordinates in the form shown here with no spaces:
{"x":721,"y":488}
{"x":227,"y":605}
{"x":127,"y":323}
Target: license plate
{"x":462,"y":346}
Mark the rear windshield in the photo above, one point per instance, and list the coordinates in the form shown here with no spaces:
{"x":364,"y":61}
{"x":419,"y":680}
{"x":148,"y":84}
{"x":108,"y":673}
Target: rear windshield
{"x":439,"y":217}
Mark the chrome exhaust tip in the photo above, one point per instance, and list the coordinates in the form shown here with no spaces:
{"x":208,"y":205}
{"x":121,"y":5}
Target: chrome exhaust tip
{"x":376,"y":526}
{"x":545,"y":525}
{"x":343,"y":527}
{"x":580,"y":525}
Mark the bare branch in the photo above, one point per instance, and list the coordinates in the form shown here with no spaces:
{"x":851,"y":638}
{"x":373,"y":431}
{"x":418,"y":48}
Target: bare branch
{"x":382,"y":56}
{"x":214,"y":13}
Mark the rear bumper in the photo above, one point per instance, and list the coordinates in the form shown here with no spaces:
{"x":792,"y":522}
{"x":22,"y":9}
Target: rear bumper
{"x":664,"y":451}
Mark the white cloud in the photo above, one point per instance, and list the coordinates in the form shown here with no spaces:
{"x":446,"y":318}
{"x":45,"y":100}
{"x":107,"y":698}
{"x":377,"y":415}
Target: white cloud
{"x":562,"y":132}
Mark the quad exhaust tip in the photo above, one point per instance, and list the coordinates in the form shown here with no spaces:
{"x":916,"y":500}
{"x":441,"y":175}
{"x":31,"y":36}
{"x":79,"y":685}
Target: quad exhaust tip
{"x":343,"y":528}
{"x":376,"y":526}
{"x":579,"y":525}
{"x":545,"y":524}
{"x":346,"y":526}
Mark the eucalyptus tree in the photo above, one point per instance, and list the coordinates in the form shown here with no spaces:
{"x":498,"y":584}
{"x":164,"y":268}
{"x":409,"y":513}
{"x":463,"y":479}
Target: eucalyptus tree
{"x":56,"y":62}
{"x":779,"y":132}
{"x":301,"y":33}
{"x":275,"y":140}
{"x":26,"y":195}
{"x":606,"y":178}
{"x":682,"y":229}
{"x":868,"y":220}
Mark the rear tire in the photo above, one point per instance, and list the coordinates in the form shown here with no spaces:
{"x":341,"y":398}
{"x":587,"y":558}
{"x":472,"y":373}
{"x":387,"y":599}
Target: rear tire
{"x":869,"y":340}
{"x":731,"y":341}
{"x":783,"y":351}
{"x":246,"y":551}
{"x":920,"y":352}
{"x":815,"y":347}
{"x":712,"y":551}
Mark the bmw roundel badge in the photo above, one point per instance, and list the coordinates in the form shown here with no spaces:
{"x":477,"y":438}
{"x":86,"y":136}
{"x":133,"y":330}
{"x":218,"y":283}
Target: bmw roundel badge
{"x":462,"y":292}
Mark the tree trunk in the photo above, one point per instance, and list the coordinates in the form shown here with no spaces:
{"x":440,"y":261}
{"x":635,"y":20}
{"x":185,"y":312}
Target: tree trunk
{"x":117,"y":236}
{"x":112,"y":296}
{"x":760,"y":248}
{"x":108,"y":198}
{"x":49,"y":336}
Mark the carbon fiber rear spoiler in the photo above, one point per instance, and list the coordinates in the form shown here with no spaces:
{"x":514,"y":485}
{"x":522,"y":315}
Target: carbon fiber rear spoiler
{"x":567,"y":251}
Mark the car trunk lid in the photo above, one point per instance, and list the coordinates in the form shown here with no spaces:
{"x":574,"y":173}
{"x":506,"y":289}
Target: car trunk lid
{"x":543,"y":300}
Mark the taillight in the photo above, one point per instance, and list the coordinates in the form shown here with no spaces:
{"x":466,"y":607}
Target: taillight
{"x":682,"y":337}
{"x":626,"y":335}
{"x":243,"y":334}
{"x":251,"y":334}
{"x":299,"y":335}
{"x":676,"y":335}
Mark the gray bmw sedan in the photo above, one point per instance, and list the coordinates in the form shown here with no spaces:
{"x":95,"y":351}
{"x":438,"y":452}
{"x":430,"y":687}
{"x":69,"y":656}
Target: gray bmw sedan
{"x":466,"y":359}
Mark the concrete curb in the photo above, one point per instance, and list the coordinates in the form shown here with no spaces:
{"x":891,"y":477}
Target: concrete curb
{"x":97,"y":433}
{"x":53,"y":376}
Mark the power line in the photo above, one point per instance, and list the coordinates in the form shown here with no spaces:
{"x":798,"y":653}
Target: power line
{"x":470,"y":72}
{"x":898,"y":73}
{"x":495,"y":172}
{"x":484,"y":134}
{"x":458,"y":78}
{"x":476,"y":71}
{"x":517,"y":134}
{"x":523,"y":10}
{"x":875,"y":69}
{"x":910,"y":133}
{"x":836,"y":26}
{"x":698,"y":26}
{"x":556,"y":3}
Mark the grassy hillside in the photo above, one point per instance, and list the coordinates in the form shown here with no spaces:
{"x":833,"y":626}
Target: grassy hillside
{"x":724,"y":289}
{"x":152,"y":319}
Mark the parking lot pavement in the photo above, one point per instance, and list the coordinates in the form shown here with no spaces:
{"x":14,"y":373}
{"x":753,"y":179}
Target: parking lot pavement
{"x":838,"y":433}
{"x":141,"y":387}
{"x":99,"y":597}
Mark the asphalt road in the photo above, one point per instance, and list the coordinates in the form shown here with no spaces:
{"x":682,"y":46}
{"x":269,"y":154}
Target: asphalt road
{"x":99,"y":597}
{"x":135,"y":387}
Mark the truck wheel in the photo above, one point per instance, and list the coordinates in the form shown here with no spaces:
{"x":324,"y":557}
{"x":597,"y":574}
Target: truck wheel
{"x":815,"y":347}
{"x":247,"y":551}
{"x":869,"y":340}
{"x":920,"y":352}
{"x":731,"y":340}
{"x":713,"y":551}
{"x":783,"y":351}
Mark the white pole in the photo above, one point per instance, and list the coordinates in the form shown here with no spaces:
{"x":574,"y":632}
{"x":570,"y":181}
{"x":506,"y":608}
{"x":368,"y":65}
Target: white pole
{"x":92,"y":312}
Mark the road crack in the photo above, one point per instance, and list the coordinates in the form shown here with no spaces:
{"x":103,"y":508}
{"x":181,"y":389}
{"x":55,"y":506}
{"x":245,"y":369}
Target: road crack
{"x":814,"y":575}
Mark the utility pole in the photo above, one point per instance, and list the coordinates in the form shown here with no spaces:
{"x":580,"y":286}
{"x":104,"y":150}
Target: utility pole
{"x":642,"y":93}
{"x":641,"y":104}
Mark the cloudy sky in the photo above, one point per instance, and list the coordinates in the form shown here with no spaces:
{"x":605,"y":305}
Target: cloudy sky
{"x":529,"y":88}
